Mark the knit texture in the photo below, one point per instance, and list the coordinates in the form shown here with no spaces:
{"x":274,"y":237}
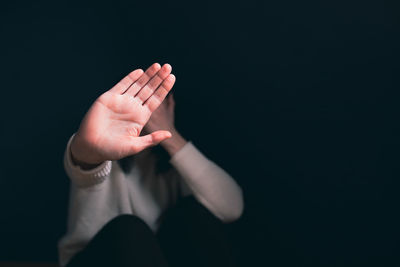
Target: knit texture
{"x":99,"y":195}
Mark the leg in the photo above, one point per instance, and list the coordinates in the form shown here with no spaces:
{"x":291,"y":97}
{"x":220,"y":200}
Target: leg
{"x":124,"y":241}
{"x":192,"y":236}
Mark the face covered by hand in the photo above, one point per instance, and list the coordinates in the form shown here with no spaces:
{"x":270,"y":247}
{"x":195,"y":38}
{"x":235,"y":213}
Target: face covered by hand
{"x":163,"y":118}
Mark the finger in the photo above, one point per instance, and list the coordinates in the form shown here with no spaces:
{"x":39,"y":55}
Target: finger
{"x":137,"y":85}
{"x":171,"y":101}
{"x":127,"y":81}
{"x":156,"y":99}
{"x":168,"y":101}
{"x":153,"y":84}
{"x":143,"y":142}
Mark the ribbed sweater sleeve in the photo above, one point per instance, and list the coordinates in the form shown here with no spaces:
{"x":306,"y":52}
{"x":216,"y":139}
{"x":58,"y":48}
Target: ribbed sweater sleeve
{"x":84,"y":178}
{"x":210,"y":184}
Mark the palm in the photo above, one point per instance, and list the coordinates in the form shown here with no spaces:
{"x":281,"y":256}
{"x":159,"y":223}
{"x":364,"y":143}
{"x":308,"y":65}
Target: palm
{"x":112,"y":126}
{"x":115,"y":121}
{"x":123,"y":112}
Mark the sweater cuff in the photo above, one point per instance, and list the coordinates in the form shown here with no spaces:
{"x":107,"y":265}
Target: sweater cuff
{"x":189,"y":160}
{"x":85,"y":178}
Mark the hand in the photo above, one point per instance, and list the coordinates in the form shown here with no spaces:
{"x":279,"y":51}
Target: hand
{"x":110,"y":129}
{"x":163,"y":117}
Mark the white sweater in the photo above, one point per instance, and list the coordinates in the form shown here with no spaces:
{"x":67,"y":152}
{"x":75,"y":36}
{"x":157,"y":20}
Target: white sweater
{"x":100,"y":194}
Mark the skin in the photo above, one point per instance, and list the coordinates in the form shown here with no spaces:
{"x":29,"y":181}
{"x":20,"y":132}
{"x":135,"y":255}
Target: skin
{"x":111,"y":128}
{"x":164,"y":118}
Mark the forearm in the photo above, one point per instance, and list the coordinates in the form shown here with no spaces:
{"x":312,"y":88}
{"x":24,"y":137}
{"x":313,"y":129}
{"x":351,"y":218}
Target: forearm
{"x":81,"y":176}
{"x":81,"y":164}
{"x":210,"y":184}
{"x":81,"y":155}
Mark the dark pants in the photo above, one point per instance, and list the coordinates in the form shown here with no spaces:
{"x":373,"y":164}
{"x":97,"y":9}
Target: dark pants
{"x":189,"y":236}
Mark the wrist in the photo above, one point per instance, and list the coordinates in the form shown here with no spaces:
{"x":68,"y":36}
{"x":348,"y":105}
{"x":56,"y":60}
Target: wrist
{"x":81,"y":156}
{"x":174,"y":144}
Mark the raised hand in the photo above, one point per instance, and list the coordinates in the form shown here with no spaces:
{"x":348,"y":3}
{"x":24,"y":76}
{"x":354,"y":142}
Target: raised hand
{"x":111,"y":128}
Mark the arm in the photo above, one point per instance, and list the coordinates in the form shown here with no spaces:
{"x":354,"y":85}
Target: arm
{"x":82,"y":174}
{"x":95,"y":198}
{"x":110,"y":129}
{"x":210,"y":184}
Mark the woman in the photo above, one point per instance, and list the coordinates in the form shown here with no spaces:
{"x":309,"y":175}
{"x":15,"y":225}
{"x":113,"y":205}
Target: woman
{"x":126,"y":209}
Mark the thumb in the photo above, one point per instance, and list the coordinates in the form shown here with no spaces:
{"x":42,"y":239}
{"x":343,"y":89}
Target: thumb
{"x":152,"y":139}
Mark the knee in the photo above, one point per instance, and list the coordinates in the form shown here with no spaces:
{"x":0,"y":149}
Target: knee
{"x":188,"y":202}
{"x":126,"y":225}
{"x":126,"y":220}
{"x":190,"y":209}
{"x":188,"y":206}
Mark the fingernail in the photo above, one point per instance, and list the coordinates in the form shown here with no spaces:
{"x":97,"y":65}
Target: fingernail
{"x":167,"y":66}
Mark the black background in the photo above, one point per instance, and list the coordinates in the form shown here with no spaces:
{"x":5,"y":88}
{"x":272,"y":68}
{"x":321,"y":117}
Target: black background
{"x":298,"y":100}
